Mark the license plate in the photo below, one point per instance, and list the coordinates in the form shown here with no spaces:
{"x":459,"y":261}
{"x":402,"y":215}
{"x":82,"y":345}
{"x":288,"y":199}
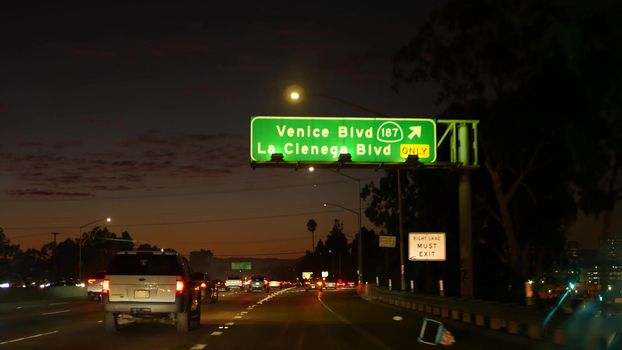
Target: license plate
{"x":141,"y":294}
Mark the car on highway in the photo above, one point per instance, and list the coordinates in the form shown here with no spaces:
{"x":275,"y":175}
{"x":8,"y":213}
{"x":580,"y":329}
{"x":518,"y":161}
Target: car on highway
{"x":67,"y":282}
{"x":314,"y":284}
{"x":234,"y":282}
{"x":156,"y":286}
{"x":11,"y":280}
{"x":258,"y":283}
{"x":209,"y":290}
{"x":330,"y":285}
{"x":220,"y":285}
{"x":94,"y":285}
{"x":275,"y":284}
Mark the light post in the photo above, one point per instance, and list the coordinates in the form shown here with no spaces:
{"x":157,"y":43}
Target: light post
{"x":295,"y":94}
{"x":80,"y":241}
{"x":360,"y":239}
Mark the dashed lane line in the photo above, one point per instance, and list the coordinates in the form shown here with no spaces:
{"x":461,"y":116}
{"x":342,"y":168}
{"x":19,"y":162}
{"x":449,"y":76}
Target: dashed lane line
{"x":198,"y":346}
{"x":26,"y":338}
{"x":372,"y":340}
{"x":55,"y":312}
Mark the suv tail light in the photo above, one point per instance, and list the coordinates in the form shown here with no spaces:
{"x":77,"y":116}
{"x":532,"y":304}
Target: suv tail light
{"x":105,"y":286}
{"x":180,"y":286}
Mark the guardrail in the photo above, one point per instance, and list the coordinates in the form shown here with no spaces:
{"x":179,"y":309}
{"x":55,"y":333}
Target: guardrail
{"x":510,"y":318}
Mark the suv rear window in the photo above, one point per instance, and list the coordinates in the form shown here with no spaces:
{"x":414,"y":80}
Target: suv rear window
{"x":145,"y":264}
{"x":98,"y":275}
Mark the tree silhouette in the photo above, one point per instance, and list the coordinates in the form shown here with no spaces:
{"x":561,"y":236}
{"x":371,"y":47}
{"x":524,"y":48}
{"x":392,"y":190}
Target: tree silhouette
{"x":311,"y":227}
{"x":538,"y":77}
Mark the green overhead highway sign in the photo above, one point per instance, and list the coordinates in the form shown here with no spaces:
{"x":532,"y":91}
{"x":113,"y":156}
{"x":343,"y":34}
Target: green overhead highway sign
{"x":323,"y":139}
{"x":240,"y":265}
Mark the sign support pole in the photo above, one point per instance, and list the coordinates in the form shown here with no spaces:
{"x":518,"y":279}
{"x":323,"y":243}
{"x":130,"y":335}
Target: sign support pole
{"x":465,"y":220}
{"x":401,"y":230}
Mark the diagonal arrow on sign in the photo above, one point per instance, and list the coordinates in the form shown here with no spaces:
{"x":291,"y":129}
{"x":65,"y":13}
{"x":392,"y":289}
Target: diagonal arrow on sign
{"x":414,"y":131}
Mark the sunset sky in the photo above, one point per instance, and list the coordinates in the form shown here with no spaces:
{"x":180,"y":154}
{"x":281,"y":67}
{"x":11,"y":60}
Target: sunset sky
{"x":141,"y":113}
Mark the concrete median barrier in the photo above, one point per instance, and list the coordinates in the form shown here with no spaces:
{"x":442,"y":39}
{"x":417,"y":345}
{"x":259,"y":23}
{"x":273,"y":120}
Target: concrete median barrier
{"x":512,"y":319}
{"x":31,"y":294}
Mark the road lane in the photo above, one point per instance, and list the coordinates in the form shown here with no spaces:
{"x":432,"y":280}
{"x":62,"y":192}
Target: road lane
{"x":287,"y":319}
{"x":293,"y":319}
{"x":79,"y":325}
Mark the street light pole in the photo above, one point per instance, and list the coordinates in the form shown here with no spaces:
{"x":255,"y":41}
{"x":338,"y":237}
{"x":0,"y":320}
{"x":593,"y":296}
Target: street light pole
{"x":80,"y":241}
{"x":295,"y":94}
{"x":360,"y":239}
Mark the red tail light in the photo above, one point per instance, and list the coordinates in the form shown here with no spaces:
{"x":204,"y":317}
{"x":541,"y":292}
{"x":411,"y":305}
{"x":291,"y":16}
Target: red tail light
{"x":105,"y":286}
{"x":180,"y":286}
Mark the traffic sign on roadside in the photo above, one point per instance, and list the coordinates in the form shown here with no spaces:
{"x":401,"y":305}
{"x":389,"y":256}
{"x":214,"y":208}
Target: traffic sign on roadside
{"x":426,"y":246}
{"x":323,"y":139}
{"x":386,"y":241}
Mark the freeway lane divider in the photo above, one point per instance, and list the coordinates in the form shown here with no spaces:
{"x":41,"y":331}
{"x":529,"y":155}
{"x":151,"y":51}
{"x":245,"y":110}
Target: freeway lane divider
{"x":55,"y":312}
{"x":28,"y":337}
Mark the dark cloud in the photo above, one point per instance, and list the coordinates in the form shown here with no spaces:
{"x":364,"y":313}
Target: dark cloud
{"x":33,"y":193}
{"x":199,"y":171}
{"x":126,"y":166}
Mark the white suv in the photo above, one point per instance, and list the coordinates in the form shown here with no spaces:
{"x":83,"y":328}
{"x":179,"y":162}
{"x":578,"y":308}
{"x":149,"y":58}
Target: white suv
{"x":234,"y":282}
{"x":151,"y":286}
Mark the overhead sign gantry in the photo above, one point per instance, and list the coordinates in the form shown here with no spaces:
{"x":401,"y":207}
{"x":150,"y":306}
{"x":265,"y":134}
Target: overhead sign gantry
{"x":324,"y":139}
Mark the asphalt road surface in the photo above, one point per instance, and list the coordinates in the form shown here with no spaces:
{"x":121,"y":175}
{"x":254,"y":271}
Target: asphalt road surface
{"x":287,"y":319}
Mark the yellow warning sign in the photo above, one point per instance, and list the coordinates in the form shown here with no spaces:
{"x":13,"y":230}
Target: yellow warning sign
{"x":422,"y":151}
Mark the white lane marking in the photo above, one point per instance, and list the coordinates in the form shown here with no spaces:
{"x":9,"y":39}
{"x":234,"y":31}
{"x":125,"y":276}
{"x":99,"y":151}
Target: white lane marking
{"x":229,"y":324}
{"x":62,"y":303}
{"x":198,"y":346}
{"x":237,"y":317}
{"x":216,"y":333}
{"x":221,"y":327}
{"x":26,"y":338}
{"x":19,"y":307}
{"x":378,"y":344}
{"x":100,"y":321}
{"x":397,"y":318}
{"x":243,"y":312}
{"x":54,"y":312}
